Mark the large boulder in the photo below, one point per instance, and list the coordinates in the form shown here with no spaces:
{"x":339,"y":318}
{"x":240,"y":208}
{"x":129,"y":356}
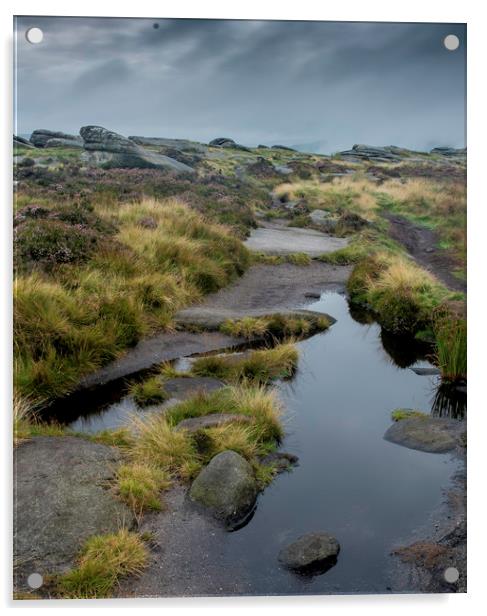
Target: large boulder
{"x":109,"y":149}
{"x":61,"y":497}
{"x":312,"y":553}
{"x":450,"y":152}
{"x":361,"y":152}
{"x":431,"y":434}
{"x":41,"y":136}
{"x":225,"y":142}
{"x":226,"y":488}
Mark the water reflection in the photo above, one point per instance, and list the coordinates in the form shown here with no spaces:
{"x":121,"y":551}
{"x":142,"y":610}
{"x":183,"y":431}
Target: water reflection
{"x":450,"y":401}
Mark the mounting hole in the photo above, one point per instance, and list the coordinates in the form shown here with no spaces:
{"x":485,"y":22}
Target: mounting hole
{"x":35,"y":581}
{"x":451,"y":575}
{"x":451,"y":42}
{"x":34,"y":35}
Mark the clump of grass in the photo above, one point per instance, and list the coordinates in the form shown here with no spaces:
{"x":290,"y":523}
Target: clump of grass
{"x":402,"y":295}
{"x":277,"y":326}
{"x":75,"y":317}
{"x":157,"y":443}
{"x":257,"y":367}
{"x":103,"y":561}
{"x":121,"y":437}
{"x":295,"y":258}
{"x":352,"y":253}
{"x":451,"y":347}
{"x":400,"y":414}
{"x":150,"y":391}
{"x":139,"y":485}
{"x":26,"y":423}
{"x":257,"y":402}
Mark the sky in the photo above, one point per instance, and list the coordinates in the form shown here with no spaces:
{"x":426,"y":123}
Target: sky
{"x":321,"y":86}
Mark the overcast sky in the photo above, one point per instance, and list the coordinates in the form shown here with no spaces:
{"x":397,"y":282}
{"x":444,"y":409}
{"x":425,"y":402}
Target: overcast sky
{"x":321,"y":85}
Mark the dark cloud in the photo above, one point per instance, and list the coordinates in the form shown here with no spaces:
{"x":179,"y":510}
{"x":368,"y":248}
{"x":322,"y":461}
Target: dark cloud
{"x":326,"y":83}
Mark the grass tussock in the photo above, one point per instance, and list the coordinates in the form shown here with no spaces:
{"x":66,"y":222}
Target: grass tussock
{"x":255,"y":367}
{"x":451,"y":347}
{"x":139,"y":486}
{"x":275,"y":327}
{"x":26,"y":423}
{"x":402,"y":295}
{"x":150,"y":391}
{"x":76,"y":316}
{"x":103,"y":562}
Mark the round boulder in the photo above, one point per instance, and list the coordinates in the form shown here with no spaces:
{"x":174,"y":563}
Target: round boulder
{"x":312,"y":553}
{"x":226,"y":488}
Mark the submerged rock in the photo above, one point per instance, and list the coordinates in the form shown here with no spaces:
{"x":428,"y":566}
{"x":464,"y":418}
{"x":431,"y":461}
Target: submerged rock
{"x":226,"y":488}
{"x":431,"y":434}
{"x":311,"y":553}
{"x":280,"y":460}
{"x":61,"y":497}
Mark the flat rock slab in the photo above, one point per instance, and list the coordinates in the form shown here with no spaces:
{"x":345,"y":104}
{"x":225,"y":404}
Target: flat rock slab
{"x":158,"y":349}
{"x":61,"y":497}
{"x":286,"y":240}
{"x":431,"y":434}
{"x":214,"y":420}
{"x":311,"y":553}
{"x":185,"y":387}
{"x":267,"y":289}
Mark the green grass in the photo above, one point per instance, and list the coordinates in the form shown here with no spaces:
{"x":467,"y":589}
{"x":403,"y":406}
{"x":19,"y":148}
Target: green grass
{"x":276,"y":326}
{"x":103,"y":562}
{"x":400,"y":414}
{"x":150,"y":391}
{"x":256,"y":367}
{"x":139,"y":485}
{"x":295,"y":258}
{"x":451,"y":348}
{"x":75,"y":317}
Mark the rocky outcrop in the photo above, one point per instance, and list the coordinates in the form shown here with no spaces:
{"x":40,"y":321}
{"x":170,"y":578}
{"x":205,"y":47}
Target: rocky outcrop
{"x":183,"y":145}
{"x":61,"y":497}
{"x":41,"y":136}
{"x":450,"y":152}
{"x":431,"y":434}
{"x":109,"y":149}
{"x":226,"y":488}
{"x":225,"y":142}
{"x":360,"y":152}
{"x":64,"y":143}
{"x":311,"y":553}
{"x":20,"y":141}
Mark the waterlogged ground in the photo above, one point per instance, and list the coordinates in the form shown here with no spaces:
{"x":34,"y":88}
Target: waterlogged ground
{"x":371,"y":494}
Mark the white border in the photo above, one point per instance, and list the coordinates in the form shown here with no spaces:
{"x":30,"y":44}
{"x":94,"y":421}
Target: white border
{"x":351,"y":10}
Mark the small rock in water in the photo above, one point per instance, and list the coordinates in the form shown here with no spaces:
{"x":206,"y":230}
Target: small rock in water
{"x":226,"y":488}
{"x":193,"y":424}
{"x":280,"y":460}
{"x":426,"y":371}
{"x":313,"y":553}
{"x":431,"y":434}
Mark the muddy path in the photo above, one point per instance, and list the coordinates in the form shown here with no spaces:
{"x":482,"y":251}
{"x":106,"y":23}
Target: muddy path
{"x":422,"y":244}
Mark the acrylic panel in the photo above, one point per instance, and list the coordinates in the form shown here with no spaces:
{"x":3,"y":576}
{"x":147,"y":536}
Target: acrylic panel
{"x":240,"y":307}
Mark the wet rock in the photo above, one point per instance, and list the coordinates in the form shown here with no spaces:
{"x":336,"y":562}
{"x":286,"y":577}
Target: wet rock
{"x":109,"y":149}
{"x":280,"y":460}
{"x":61,"y":497}
{"x":226,"y":488}
{"x":311,"y":553}
{"x":185,"y":387}
{"x":214,"y":420}
{"x":426,"y":371}
{"x":41,"y":136}
{"x":431,"y":434}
